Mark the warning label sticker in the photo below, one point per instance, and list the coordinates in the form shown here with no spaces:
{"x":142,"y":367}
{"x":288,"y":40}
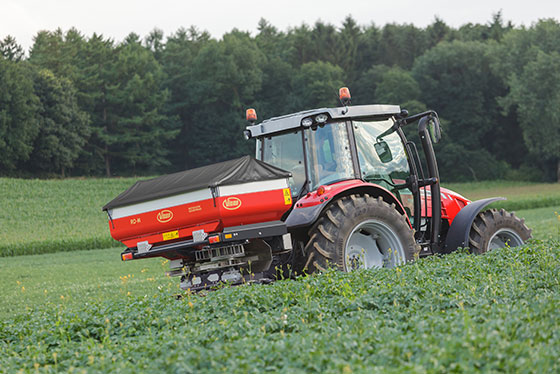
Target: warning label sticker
{"x":170,"y":235}
{"x":287,"y":196}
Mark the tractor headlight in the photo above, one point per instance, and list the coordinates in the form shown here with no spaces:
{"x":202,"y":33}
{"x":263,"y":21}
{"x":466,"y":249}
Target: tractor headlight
{"x":306,"y":122}
{"x":321,"y":118}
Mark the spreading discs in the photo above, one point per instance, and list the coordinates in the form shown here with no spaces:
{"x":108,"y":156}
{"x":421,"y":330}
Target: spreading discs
{"x":231,"y":203}
{"x":165,"y":216}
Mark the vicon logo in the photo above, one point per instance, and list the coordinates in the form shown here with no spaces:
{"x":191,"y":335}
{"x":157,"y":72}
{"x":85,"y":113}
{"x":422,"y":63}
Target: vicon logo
{"x":232,"y":203}
{"x":165,"y":216}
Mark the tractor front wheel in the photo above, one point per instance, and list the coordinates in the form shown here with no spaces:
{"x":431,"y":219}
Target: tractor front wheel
{"x":494,"y":229}
{"x":359,"y":231}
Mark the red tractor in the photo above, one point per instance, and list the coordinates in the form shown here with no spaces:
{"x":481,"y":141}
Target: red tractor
{"x":338,"y":187}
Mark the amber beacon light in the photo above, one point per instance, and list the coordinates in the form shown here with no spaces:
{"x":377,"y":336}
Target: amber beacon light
{"x":344,"y":95}
{"x":251,"y":115}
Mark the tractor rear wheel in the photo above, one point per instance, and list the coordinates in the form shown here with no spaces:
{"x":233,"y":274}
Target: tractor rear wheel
{"x":494,"y":229}
{"x":359,"y":231}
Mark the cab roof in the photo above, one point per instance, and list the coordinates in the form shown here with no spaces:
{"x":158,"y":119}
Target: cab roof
{"x":293,"y":121}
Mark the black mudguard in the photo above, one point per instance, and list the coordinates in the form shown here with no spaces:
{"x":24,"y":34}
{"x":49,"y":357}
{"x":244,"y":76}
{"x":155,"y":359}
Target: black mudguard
{"x":304,"y":216}
{"x":458,"y":234}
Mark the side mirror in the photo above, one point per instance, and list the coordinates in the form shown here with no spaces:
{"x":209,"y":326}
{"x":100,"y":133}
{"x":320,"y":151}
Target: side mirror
{"x":383,"y":151}
{"x":434,"y":129}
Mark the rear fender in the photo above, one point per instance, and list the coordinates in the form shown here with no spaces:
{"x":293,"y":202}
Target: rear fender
{"x":458,"y":234}
{"x":302,"y":215}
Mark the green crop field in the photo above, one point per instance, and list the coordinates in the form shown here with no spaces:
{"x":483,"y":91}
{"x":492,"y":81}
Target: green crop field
{"x":42,"y":216}
{"x":87,"y":311}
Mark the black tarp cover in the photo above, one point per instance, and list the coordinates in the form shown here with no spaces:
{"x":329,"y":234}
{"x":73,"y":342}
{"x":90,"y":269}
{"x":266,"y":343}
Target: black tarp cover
{"x":242,"y":170}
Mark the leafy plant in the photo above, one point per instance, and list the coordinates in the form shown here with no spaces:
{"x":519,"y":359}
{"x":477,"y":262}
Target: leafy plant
{"x":464,"y":313}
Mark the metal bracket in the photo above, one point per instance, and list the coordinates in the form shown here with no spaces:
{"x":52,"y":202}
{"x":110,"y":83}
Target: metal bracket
{"x":143,"y":246}
{"x":199,"y":236}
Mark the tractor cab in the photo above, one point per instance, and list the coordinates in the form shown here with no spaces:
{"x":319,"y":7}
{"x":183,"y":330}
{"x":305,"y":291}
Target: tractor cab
{"x":322,"y":149}
{"x":354,"y":165}
{"x":332,"y":152}
{"x":330,"y":146}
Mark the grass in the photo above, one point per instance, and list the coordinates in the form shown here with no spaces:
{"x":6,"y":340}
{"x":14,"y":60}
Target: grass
{"x":42,"y":216}
{"x":74,"y":279}
{"x":520,"y":195}
{"x":456,"y":313}
{"x":545,"y":222}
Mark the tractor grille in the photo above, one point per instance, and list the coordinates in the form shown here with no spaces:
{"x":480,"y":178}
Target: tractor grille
{"x":219,"y":253}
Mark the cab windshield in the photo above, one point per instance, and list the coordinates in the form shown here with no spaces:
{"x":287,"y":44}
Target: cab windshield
{"x":328,"y":154}
{"x":382,"y":160}
{"x":329,"y":159}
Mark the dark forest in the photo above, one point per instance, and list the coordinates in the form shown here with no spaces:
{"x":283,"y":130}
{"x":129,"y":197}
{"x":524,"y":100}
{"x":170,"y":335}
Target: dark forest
{"x":87,"y":105}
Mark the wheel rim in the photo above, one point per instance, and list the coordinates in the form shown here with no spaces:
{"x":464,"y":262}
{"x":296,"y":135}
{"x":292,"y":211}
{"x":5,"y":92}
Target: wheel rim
{"x":373,"y":244}
{"x":504,"y":237}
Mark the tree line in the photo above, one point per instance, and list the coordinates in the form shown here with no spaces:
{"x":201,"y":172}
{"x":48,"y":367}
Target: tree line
{"x":79,"y":105}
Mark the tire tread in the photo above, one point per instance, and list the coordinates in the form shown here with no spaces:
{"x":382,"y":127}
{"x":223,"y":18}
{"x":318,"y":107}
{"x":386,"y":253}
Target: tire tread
{"x":325,"y":247}
{"x":488,"y":222}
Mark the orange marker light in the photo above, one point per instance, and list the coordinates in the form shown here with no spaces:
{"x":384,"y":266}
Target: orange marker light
{"x":214,"y":239}
{"x":251,"y":115}
{"x":321,"y":190}
{"x":126,"y":256}
{"x":344,"y":94}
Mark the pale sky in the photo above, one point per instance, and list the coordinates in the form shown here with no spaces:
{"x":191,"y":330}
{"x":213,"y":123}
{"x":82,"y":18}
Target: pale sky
{"x":117,"y":18}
